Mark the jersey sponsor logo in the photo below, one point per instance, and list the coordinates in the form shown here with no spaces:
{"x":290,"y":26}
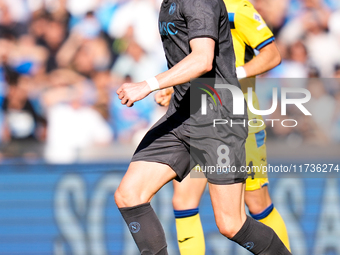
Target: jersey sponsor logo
{"x":167,"y":28}
{"x":172,"y":8}
{"x":248,"y":245}
{"x":257,"y":17}
{"x":134,"y":227}
{"x":185,"y":239}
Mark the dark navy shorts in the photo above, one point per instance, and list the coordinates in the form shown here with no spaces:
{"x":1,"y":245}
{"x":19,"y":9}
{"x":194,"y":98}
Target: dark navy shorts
{"x":217,"y":151}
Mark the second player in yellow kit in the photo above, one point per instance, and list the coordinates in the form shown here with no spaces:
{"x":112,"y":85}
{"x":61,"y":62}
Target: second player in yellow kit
{"x":249,"y":33}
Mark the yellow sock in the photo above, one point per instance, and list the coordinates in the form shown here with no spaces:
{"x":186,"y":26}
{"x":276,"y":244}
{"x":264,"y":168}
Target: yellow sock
{"x":272,"y":218}
{"x":190,"y":235}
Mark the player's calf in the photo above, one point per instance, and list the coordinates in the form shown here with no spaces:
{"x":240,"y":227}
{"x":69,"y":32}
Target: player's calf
{"x":259,"y":239}
{"x":133,"y":196}
{"x":142,"y":222}
{"x":146,"y":229}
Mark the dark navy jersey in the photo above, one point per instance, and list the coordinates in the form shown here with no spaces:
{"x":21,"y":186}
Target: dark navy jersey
{"x":183,"y":20}
{"x":185,"y":137}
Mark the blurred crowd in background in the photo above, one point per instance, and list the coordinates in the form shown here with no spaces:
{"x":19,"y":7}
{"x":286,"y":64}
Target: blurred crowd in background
{"x":61,"y":62}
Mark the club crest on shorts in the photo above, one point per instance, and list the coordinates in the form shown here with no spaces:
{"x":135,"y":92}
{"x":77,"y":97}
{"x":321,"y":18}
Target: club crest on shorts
{"x":134,"y":227}
{"x":248,"y":245}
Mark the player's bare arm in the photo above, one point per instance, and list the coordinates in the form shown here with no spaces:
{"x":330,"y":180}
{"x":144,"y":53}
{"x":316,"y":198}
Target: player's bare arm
{"x":268,"y":58}
{"x":197,"y":63}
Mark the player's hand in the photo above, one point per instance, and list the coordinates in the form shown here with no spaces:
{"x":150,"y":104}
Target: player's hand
{"x":129,"y":93}
{"x":163,"y":96}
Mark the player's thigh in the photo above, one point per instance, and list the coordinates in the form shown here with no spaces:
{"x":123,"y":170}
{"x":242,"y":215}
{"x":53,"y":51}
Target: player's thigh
{"x":187,"y":193}
{"x":160,"y":157}
{"x":228,"y":205}
{"x":141,"y":181}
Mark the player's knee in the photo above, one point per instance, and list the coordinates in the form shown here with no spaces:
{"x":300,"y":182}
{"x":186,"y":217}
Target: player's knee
{"x":176,"y":201}
{"x":257,"y":206}
{"x":229,"y":227}
{"x":179,"y":202}
{"x":182,"y":202}
{"x":119,"y":198}
{"x":228,"y":231}
{"x":257,"y":201}
{"x":124,"y":198}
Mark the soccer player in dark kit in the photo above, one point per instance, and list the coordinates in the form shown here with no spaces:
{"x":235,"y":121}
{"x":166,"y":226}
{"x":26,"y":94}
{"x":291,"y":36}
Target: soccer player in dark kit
{"x":249,"y":32}
{"x":197,"y":43}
